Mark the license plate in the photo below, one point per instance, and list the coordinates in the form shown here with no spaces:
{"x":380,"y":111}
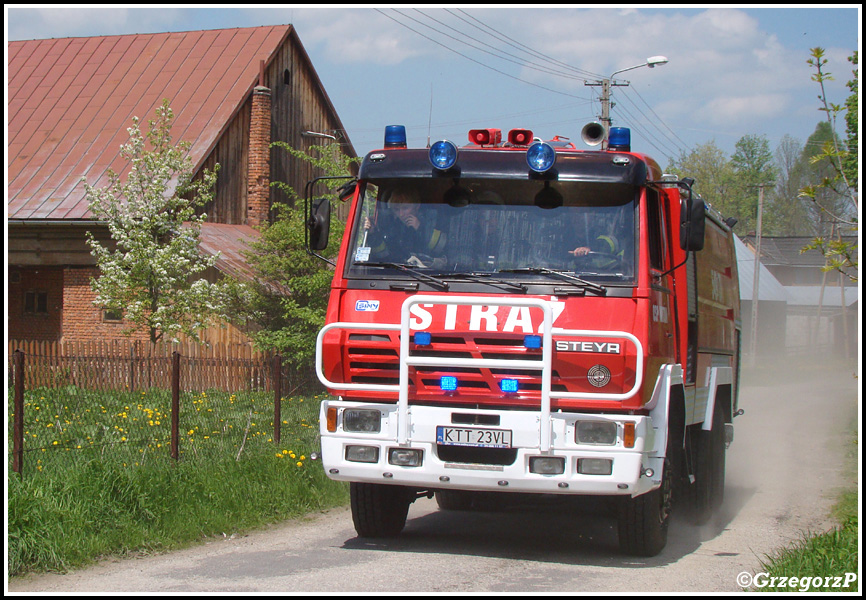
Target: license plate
{"x":470,"y":436}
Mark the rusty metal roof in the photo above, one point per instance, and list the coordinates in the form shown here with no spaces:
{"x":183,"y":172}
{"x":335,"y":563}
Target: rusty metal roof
{"x":71,"y":101}
{"x":230,"y":241}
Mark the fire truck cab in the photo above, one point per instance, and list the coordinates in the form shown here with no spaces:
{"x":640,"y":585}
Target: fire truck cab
{"x":522,"y":316}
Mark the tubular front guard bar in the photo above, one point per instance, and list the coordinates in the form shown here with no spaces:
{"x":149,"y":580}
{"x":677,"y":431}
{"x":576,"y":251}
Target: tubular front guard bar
{"x":545,"y":365}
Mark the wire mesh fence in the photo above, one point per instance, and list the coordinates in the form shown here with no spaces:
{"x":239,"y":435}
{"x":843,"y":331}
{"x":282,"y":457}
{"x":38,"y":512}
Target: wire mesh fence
{"x":146,"y":407}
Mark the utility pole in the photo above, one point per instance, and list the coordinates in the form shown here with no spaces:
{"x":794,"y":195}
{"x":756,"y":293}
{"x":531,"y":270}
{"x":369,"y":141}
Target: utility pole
{"x":605,"y":85}
{"x":606,"y":104}
{"x":753,"y":345}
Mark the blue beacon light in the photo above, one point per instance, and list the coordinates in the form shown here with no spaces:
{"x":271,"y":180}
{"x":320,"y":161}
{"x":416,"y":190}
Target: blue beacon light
{"x":508,"y":386}
{"x":532,"y":342}
{"x":540,"y":157}
{"x":619,"y":138}
{"x":443,"y":155}
{"x":395,"y":136}
{"x":422,"y":338}
{"x":448,"y":383}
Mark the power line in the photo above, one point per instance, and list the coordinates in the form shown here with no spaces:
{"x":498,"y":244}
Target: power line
{"x":496,"y":52}
{"x":473,"y":60}
{"x":524,"y":48}
{"x":660,"y":136}
{"x":659,"y":119}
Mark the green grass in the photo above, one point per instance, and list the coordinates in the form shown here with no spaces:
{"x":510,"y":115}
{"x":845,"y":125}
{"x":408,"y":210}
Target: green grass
{"x":98,"y":479}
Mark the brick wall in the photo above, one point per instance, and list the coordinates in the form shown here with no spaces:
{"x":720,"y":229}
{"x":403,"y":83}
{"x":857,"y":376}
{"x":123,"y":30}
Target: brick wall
{"x":81,"y":319}
{"x":259,"y":173}
{"x":31,"y":322}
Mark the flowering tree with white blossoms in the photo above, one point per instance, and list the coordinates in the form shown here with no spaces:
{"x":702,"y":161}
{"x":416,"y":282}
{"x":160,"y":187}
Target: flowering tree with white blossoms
{"x":153,"y":274}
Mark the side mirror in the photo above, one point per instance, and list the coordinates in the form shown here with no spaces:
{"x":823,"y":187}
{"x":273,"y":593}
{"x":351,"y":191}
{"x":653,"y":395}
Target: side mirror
{"x":693,"y":224}
{"x":319,"y":224}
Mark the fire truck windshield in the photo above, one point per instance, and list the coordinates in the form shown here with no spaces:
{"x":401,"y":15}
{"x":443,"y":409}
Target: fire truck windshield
{"x":515,"y":228}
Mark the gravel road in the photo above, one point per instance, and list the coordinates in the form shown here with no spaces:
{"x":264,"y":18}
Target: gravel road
{"x":784,"y":468}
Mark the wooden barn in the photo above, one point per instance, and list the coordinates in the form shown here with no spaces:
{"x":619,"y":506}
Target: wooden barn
{"x":71,"y":100}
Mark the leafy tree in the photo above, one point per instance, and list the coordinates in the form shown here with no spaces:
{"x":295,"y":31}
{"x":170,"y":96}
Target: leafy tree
{"x":153,"y":273}
{"x":852,"y":122}
{"x":287,"y":299}
{"x":834,"y":194}
{"x":713,"y":173}
{"x":753,"y":167}
{"x":787,"y":213}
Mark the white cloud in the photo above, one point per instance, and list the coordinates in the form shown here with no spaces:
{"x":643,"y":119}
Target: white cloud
{"x":77,"y":21}
{"x":356,"y":36}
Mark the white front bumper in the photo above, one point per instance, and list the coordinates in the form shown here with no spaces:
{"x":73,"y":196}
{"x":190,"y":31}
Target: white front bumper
{"x":627,"y":477}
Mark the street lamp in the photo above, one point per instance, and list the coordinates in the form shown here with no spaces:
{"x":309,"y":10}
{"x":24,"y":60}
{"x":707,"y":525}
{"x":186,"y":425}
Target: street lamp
{"x":605,"y":84}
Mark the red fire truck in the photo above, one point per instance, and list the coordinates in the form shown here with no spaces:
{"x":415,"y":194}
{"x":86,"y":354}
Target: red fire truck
{"x":523,"y":316}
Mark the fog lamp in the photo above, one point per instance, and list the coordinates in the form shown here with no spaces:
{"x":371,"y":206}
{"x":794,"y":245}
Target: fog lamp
{"x":360,"y":420}
{"x":405,"y":457}
{"x":547,"y":465}
{"x":364,"y":454}
{"x":595,"y":466}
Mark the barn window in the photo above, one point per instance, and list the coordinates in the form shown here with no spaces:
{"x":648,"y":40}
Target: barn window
{"x":112,"y":316}
{"x":36,"y":303}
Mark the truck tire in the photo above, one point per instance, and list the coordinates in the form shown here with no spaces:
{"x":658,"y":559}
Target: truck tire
{"x":379,"y":510}
{"x":644,"y":520}
{"x":709,"y":486}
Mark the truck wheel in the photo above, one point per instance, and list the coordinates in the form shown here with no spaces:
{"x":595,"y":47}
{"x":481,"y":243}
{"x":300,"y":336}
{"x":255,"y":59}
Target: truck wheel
{"x":709,"y":484}
{"x":644,"y":520}
{"x":379,"y":510}
{"x":454,"y":499}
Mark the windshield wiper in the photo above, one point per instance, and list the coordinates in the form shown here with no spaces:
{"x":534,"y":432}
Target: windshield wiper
{"x":482,"y":278}
{"x":565,"y":275}
{"x":442,"y":285}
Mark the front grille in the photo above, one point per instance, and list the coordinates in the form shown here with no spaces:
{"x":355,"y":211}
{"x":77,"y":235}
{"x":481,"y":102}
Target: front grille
{"x":374,"y":359}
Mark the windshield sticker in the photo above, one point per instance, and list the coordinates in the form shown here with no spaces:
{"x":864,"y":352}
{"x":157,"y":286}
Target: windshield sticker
{"x":362,"y":254}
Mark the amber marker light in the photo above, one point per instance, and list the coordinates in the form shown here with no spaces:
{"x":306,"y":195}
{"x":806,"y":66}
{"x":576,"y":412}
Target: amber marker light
{"x":332,"y":419}
{"x":628,"y":435}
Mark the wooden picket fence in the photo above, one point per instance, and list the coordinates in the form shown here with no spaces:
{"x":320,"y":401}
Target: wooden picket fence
{"x":124,"y":365}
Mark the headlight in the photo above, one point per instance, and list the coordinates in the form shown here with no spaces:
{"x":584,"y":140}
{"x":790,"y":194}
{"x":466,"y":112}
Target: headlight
{"x":362,"y":420}
{"x":601,"y":433}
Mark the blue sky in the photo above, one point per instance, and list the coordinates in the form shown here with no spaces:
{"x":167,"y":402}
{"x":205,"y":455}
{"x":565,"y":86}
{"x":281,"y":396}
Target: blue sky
{"x":732,"y":71}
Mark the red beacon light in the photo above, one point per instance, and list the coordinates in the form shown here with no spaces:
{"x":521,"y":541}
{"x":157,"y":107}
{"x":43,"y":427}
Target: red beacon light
{"x":520,"y":137}
{"x":485,"y":137}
